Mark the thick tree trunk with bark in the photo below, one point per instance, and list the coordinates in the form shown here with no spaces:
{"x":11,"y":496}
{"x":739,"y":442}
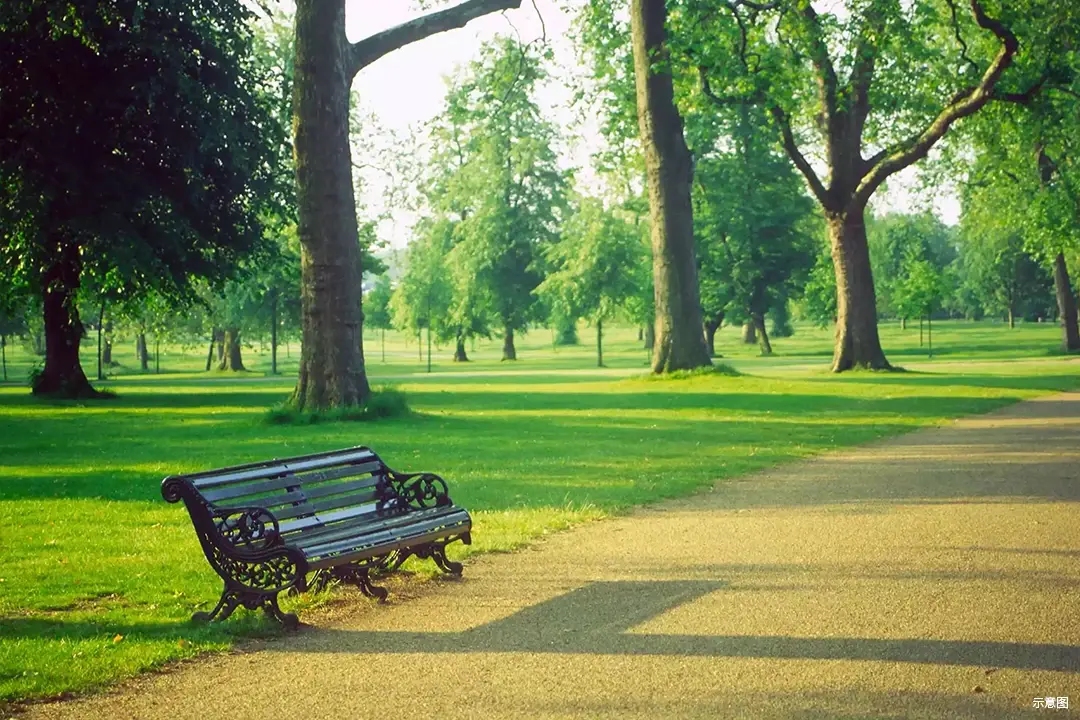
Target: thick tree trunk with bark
{"x":142,"y":355}
{"x":857,"y":341}
{"x":763,"y":337}
{"x":509,"y":351}
{"x":331,"y":356}
{"x":232,"y":359}
{"x":100,"y":341}
{"x":749,"y":333}
{"x":62,"y":375}
{"x":680,"y":344}
{"x":712,"y":324}
{"x":1070,"y":335}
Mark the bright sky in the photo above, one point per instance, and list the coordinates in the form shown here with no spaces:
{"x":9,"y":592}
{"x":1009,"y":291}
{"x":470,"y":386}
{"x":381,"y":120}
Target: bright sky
{"x":406,"y":87}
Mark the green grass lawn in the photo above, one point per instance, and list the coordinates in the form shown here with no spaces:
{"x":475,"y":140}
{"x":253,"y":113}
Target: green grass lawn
{"x":98,"y":575}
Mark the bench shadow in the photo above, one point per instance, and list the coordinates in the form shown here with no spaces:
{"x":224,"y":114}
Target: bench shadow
{"x":598,"y":618}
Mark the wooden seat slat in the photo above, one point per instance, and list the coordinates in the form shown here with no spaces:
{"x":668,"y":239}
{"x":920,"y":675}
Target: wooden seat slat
{"x":300,"y":464}
{"x":356,"y":527}
{"x":390,"y":534}
{"x":313,"y":492}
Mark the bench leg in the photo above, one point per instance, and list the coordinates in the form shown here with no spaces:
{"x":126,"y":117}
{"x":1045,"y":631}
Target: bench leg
{"x":358,"y":575}
{"x":438,"y":554}
{"x":272,"y":609}
{"x":228,"y":602}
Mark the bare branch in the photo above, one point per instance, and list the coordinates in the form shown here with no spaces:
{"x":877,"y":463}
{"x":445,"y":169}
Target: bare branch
{"x":370,"y":49}
{"x":964,"y":104}
{"x":797,"y":157}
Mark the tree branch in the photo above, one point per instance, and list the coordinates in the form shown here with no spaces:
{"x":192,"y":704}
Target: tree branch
{"x":797,"y":157}
{"x":819,"y":56}
{"x":370,"y":49}
{"x":963,"y":104}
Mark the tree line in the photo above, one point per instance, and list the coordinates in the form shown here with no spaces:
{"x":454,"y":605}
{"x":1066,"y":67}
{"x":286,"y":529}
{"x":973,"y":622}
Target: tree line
{"x":155,"y":181}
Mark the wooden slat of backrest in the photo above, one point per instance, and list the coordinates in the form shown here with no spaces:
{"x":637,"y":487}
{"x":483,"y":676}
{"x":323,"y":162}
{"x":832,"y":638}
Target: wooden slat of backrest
{"x":274,"y":468}
{"x":288,"y":481}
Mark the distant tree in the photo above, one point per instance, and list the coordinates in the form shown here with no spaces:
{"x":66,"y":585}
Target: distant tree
{"x":896,"y":237}
{"x":158,"y":174}
{"x":819,"y":292}
{"x":377,"y":302}
{"x":424,"y":294}
{"x":595,"y":266}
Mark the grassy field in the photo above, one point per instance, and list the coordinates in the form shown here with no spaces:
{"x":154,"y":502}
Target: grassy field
{"x":98,"y":575}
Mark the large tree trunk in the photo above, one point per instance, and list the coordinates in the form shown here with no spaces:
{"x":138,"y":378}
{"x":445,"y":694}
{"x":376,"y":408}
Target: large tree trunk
{"x":63,"y":375}
{"x":1070,"y":336}
{"x":711,"y":326}
{"x":857,"y":342}
{"x":331,"y":357}
{"x":142,"y":355}
{"x":509,"y":351}
{"x":232,"y":359}
{"x":749,"y":333}
{"x":680,"y":344}
{"x":763,"y":337}
{"x":459,"y":350}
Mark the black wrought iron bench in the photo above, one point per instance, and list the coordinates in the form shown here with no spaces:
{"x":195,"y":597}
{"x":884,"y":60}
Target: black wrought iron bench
{"x":301,"y":522}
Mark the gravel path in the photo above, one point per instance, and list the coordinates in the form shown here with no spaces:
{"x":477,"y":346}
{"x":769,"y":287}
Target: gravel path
{"x":932,"y":575}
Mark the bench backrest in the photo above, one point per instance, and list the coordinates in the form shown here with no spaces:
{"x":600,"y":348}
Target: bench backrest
{"x":302,"y":492}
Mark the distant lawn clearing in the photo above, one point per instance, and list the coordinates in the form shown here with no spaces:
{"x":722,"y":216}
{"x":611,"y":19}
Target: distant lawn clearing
{"x":98,"y":575}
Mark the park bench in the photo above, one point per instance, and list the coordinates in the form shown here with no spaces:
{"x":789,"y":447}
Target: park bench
{"x":299,"y":523}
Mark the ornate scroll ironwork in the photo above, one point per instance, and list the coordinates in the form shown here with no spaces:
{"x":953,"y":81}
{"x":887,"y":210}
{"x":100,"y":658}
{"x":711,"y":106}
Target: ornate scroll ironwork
{"x":247,"y":529}
{"x":420,"y":491}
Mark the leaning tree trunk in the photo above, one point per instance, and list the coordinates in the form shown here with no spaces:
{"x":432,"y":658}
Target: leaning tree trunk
{"x":331,"y":357}
{"x":680,"y":344}
{"x":857,"y":342}
{"x":509,"y":351}
{"x":711,"y":326}
{"x":62,"y":375}
{"x":1070,"y":336}
{"x":232,"y":359}
{"x":763,"y":337}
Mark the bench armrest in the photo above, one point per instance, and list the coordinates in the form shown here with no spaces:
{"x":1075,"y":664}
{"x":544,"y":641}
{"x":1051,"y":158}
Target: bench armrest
{"x":420,"y":490}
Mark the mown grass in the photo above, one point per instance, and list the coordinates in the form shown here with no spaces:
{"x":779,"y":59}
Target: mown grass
{"x":98,"y":575}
